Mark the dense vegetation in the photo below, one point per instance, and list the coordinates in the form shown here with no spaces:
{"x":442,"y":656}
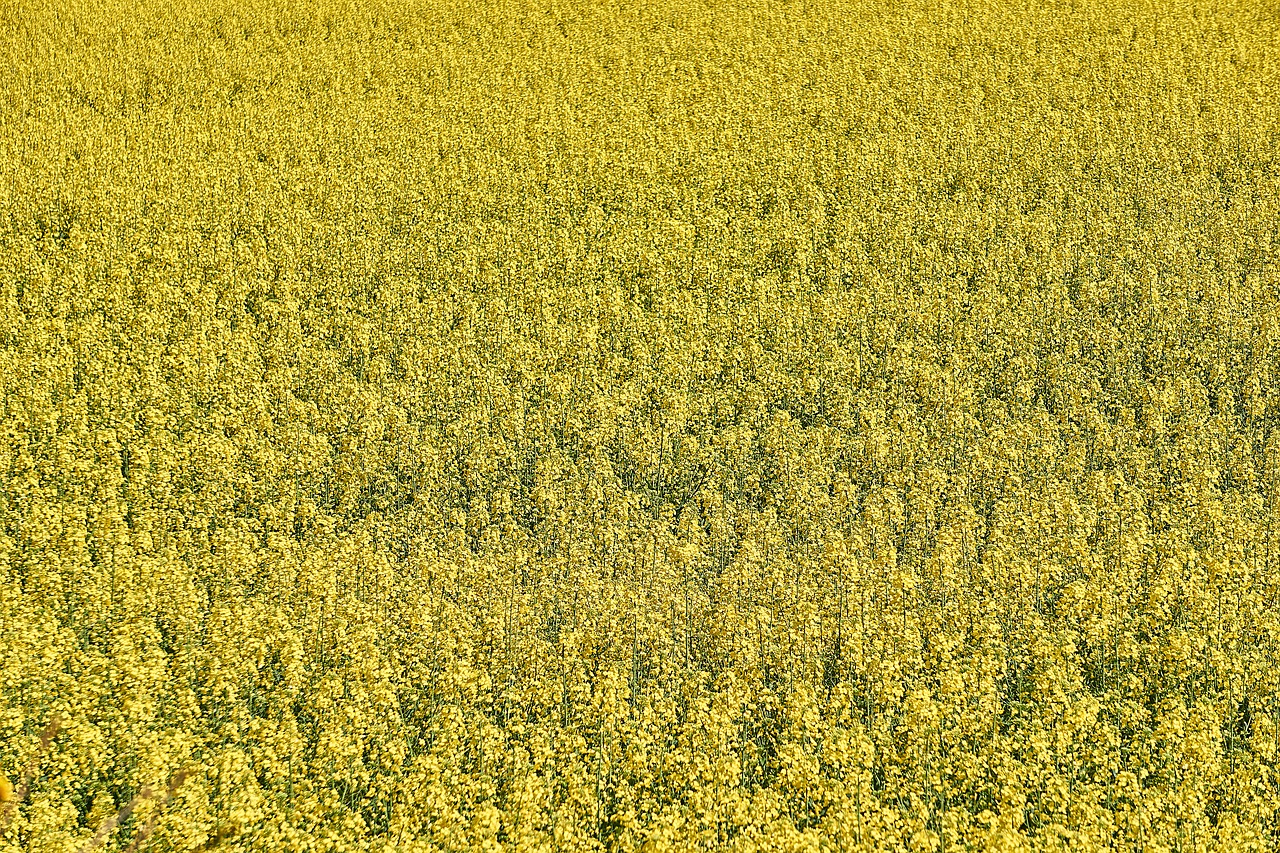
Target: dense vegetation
{"x":662,"y":426}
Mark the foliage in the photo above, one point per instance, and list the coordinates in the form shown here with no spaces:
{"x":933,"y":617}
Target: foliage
{"x":758,"y":426}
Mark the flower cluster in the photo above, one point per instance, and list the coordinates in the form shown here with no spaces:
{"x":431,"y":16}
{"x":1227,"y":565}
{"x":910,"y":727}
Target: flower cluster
{"x":487,"y":425}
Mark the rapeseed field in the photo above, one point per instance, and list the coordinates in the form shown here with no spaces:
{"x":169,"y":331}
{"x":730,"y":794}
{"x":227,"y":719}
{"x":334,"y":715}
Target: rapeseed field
{"x":496,"y":425}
